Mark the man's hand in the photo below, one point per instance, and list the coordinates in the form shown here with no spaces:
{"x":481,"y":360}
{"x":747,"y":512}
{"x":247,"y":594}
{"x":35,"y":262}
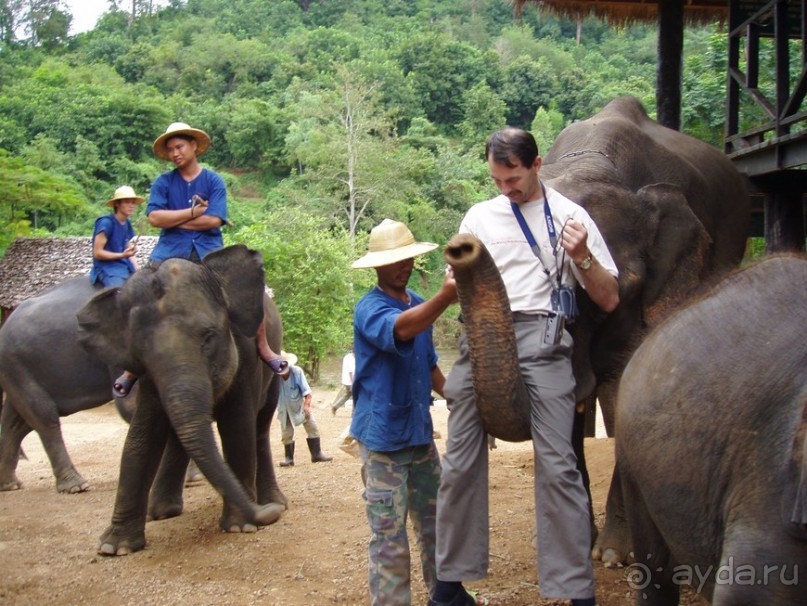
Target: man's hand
{"x":574,"y":239}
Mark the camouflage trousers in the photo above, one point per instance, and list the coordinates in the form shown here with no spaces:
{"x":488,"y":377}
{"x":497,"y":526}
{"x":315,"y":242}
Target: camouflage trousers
{"x":399,"y":484}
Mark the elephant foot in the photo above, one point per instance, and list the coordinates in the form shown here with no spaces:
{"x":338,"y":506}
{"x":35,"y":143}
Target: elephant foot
{"x":611,"y":547}
{"x":12,"y":484}
{"x":72,"y":483}
{"x":193,"y":476}
{"x":116,"y":542}
{"x":164,"y":510}
{"x":275,"y":496}
{"x":263,"y":515}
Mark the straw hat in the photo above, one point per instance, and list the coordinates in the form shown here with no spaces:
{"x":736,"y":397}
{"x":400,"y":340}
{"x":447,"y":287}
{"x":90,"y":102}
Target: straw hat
{"x":124,"y":192}
{"x":181,"y":129}
{"x":390,"y":242}
{"x":288,"y":357}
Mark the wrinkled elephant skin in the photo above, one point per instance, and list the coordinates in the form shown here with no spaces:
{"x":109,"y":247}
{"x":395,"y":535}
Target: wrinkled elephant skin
{"x":189,"y":331}
{"x":711,"y":442}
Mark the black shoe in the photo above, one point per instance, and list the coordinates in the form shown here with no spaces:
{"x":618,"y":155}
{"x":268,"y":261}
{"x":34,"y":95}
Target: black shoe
{"x":462,"y":598}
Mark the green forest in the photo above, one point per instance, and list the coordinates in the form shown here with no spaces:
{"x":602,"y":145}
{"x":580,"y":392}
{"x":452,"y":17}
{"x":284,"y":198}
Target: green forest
{"x":326,"y":116}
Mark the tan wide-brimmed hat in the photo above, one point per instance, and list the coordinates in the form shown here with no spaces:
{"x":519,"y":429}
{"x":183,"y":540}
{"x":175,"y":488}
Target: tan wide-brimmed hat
{"x":390,"y":242}
{"x":288,"y":357}
{"x":124,"y":192}
{"x":181,"y":129}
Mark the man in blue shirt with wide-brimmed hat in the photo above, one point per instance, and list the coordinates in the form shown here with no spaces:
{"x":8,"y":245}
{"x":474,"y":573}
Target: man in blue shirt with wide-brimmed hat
{"x":396,"y":371}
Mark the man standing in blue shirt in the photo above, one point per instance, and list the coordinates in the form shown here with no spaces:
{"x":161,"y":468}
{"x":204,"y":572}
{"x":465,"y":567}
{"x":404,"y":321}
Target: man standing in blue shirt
{"x":396,"y":371}
{"x":189,"y":203}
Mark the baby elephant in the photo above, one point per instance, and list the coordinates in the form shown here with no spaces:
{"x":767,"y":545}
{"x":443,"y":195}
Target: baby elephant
{"x":711,"y":443}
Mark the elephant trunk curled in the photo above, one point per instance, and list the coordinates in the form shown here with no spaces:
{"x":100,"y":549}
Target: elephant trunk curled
{"x":500,"y":394}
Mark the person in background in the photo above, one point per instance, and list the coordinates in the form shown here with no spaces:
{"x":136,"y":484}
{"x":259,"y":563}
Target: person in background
{"x":396,"y":370}
{"x":293,"y":409}
{"x":113,"y":240}
{"x":345,"y":392}
{"x":568,"y":249}
{"x":189,"y":205}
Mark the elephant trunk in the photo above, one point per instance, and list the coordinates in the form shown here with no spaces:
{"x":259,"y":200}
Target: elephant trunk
{"x":500,"y":394}
{"x":187,"y":411}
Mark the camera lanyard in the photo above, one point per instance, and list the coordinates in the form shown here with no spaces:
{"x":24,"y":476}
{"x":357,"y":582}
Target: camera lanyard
{"x":550,"y":228}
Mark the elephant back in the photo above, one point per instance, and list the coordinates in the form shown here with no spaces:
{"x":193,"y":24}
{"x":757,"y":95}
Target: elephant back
{"x":499,"y":390}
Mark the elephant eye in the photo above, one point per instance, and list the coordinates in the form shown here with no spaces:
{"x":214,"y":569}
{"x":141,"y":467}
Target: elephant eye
{"x":209,"y":339}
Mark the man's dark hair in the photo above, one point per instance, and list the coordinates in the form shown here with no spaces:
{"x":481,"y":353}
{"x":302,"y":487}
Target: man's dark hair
{"x":509,"y":143}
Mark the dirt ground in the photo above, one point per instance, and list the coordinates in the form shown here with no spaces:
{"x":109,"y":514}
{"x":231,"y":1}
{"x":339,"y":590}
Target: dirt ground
{"x":315,"y":555}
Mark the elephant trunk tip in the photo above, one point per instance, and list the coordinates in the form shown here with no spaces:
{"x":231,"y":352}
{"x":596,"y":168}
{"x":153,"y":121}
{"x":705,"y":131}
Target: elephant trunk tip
{"x":462,"y":250}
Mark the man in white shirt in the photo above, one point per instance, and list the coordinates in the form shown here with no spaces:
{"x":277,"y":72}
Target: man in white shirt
{"x":540,"y":241}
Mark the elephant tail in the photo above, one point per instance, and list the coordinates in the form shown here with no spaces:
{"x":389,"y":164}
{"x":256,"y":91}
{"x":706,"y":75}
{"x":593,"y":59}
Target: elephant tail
{"x":500,"y":394}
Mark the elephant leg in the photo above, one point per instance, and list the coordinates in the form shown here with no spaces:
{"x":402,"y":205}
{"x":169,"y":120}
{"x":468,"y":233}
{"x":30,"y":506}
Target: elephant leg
{"x":614,"y":542}
{"x":266,"y":480}
{"x":13,"y":430}
{"x":578,"y":442}
{"x":20,"y":419}
{"x":165,"y":500}
{"x":142,"y":452}
{"x":651,"y":576}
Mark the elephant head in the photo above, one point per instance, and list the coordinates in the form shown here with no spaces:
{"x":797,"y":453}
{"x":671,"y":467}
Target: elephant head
{"x":188,"y":330}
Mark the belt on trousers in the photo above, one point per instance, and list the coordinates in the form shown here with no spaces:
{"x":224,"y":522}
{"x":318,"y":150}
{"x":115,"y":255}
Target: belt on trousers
{"x":520,"y":316}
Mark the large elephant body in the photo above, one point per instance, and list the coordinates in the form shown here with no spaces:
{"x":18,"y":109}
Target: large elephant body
{"x":711,"y":443}
{"x":188,"y":331}
{"x":45,"y":375}
{"x":674,"y":213}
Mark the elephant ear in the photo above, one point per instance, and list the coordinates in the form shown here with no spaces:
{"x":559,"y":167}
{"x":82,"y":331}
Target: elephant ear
{"x":103,"y":329}
{"x":239,"y":272}
{"x":678,"y":253}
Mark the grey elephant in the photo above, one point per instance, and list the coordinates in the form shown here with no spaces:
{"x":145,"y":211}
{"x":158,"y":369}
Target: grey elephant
{"x":711,"y":444}
{"x":46,"y":375}
{"x":674,"y":213}
{"x":188,"y":331}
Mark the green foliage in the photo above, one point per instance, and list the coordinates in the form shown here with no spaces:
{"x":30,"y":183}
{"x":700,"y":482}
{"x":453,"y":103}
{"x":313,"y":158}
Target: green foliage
{"x":308,"y":268}
{"x":325,"y":117}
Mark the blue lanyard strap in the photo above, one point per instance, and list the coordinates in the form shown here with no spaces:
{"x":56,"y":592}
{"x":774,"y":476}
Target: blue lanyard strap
{"x":550,"y":224}
{"x":550,"y":228}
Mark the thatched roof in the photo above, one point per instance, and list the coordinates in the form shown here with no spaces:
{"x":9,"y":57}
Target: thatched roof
{"x":626,"y":11}
{"x":31,"y":265}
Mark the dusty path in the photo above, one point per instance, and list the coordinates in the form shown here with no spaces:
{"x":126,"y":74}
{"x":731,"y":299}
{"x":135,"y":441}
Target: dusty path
{"x":315,"y":555}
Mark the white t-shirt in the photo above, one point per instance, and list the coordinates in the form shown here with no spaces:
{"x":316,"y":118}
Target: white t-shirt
{"x":348,"y":368}
{"x":528,"y":287}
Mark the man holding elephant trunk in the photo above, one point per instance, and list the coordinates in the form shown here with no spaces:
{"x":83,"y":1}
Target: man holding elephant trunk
{"x":396,"y":371}
{"x":543,"y":245}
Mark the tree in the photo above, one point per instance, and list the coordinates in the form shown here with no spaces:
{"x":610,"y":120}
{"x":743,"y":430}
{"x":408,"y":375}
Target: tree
{"x":483,"y":112}
{"x":47,"y":22}
{"x":308,"y":268}
{"x":340,"y":137}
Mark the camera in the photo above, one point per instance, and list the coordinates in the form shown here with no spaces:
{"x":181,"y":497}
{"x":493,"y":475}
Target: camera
{"x":564,"y":302}
{"x":554,"y":329}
